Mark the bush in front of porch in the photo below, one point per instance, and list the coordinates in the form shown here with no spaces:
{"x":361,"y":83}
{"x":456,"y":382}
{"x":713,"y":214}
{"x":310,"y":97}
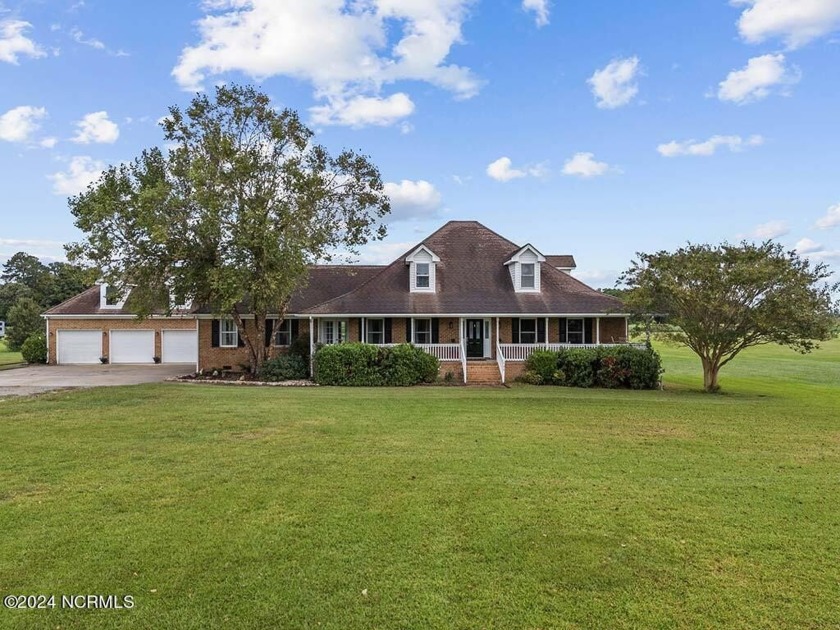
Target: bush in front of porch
{"x":609,"y":367}
{"x":366,"y":365}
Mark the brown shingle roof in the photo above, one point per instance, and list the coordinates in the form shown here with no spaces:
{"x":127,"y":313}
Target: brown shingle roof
{"x":563,"y":261}
{"x":471,"y":279}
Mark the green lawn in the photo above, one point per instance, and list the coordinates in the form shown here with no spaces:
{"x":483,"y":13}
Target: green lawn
{"x":7,"y":357}
{"x":433,"y":507}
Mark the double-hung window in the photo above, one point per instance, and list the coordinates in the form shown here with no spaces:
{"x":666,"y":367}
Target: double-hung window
{"x":574,"y":331}
{"x":528,"y":275}
{"x":228,"y":334}
{"x":527,"y":331}
{"x":283,"y":333}
{"x":422,"y":331}
{"x":375,"y":331}
{"x":335,"y":331}
{"x":421,"y":280}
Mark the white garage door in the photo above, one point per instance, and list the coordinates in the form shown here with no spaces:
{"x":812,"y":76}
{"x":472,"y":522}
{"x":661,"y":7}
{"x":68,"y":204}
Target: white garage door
{"x":79,"y":346}
{"x":132,"y":346}
{"x":179,"y":346}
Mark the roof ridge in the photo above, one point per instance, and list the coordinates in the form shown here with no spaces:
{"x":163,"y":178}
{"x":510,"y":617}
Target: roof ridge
{"x":354,"y":289}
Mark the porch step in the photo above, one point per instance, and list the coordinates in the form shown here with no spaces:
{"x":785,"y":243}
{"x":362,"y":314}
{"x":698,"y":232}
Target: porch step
{"x":483,"y":373}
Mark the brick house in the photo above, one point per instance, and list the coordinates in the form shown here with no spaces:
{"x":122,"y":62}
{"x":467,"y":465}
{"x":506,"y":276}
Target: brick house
{"x":477,"y":301}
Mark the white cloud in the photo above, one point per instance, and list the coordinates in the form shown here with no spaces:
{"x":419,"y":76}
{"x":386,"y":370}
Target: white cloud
{"x":831,"y":218}
{"x":48,"y":142}
{"x":79,"y":37}
{"x":585,"y":165}
{"x":757,"y":80}
{"x":771,"y":229}
{"x":539,"y":8}
{"x":502,"y":170}
{"x":383,"y":253}
{"x":362,"y":111}
{"x":19,"y":123}
{"x":598,"y":278}
{"x":14,"y":44}
{"x":412,"y":199}
{"x":33,"y":243}
{"x":709,"y":147}
{"x":96,"y":127}
{"x":615,"y":85}
{"x":807,"y":246}
{"x":796,"y":22}
{"x":347,"y":50}
{"x":82,"y":171}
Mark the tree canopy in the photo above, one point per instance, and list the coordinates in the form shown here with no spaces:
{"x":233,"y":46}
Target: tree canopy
{"x":25,"y":276}
{"x":231,"y":216}
{"x":726,"y":298}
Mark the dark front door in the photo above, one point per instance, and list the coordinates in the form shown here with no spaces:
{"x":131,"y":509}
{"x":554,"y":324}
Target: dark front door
{"x":475,"y":338}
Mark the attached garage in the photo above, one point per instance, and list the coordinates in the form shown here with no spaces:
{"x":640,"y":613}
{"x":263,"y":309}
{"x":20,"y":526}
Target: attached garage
{"x":78,"y":346}
{"x":179,"y":346}
{"x":132,"y":346}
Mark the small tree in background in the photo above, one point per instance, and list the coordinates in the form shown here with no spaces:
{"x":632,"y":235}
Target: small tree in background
{"x":231,"y":216}
{"x":24,"y":320}
{"x":726,"y":298}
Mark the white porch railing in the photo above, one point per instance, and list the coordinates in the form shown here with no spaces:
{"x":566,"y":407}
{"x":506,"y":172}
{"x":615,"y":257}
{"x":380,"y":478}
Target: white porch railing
{"x":521,"y":351}
{"x":443,"y":351}
{"x":500,"y":359}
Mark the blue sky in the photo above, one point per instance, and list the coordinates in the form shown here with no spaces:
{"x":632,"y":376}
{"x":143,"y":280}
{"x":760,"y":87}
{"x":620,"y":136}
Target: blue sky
{"x":598,"y":129}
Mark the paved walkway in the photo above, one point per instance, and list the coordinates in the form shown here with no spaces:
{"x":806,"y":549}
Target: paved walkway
{"x":35,"y":379}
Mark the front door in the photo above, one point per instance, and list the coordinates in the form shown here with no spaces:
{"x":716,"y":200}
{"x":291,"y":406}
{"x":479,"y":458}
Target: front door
{"x":475,"y":338}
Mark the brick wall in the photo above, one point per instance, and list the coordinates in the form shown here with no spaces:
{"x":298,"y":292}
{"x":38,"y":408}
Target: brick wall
{"x":105,"y":325}
{"x":231,"y":358}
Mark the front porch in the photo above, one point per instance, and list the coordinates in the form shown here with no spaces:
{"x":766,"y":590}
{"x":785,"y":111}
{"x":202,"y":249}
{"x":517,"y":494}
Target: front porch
{"x":458,"y":342}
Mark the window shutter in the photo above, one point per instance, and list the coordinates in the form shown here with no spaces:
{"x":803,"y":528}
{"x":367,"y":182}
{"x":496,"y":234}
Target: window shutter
{"x":541,"y":330}
{"x":359,"y":324}
{"x":587,"y":330}
{"x":388,"y":329}
{"x":269,"y":328}
{"x":214,"y":334}
{"x":240,"y":343}
{"x":435,"y":331}
{"x":514,"y":330}
{"x":563,"y":338}
{"x":408,"y":330}
{"x":295,"y":329}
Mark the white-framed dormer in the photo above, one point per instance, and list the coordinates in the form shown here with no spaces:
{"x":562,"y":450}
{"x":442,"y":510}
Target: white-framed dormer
{"x":524,"y":267}
{"x":107,"y":299}
{"x":422,"y":276}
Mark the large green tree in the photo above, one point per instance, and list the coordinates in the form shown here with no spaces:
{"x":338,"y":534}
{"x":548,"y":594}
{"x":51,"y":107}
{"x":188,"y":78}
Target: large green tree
{"x":231,"y":215}
{"x":24,"y":319}
{"x":726,"y":298}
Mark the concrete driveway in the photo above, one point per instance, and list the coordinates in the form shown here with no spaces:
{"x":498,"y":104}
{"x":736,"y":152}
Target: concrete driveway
{"x":42,"y":378}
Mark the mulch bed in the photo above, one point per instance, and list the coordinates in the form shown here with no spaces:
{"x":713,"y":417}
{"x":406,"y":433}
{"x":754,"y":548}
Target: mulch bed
{"x":237,"y":379}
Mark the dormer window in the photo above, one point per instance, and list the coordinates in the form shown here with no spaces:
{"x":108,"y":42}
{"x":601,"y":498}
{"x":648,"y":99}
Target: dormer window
{"x":110,"y":297}
{"x":528,"y":278}
{"x":422,"y":263}
{"x":524,"y":267}
{"x":422,"y":277}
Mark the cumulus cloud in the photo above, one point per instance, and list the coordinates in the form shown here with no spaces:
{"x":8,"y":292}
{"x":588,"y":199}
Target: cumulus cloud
{"x":19,"y":123}
{"x":348,"y":51}
{"x":14,"y":43}
{"x":81,"y":172}
{"x":616,"y":85}
{"x":96,"y":128}
{"x":771,"y":229}
{"x":811,"y":249}
{"x":795,"y":23}
{"x":709,"y":147}
{"x":502,"y":170}
{"x":831,"y":218}
{"x":757,"y":80}
{"x":585,"y":165}
{"x":412,"y":199}
{"x":363,"y":111}
{"x":540,"y":10}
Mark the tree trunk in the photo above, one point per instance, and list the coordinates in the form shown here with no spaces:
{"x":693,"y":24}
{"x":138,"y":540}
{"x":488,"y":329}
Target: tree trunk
{"x":710,"y":375}
{"x":258,"y":355}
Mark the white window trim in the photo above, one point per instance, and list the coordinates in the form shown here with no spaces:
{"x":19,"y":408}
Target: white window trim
{"x":533,"y":276}
{"x":103,"y":299}
{"x":414,"y":332}
{"x":380,"y":333}
{"x":422,"y":255}
{"x":223,"y":332}
{"x":582,"y":332}
{"x":284,"y":327}
{"x":337,"y":324}
{"x":536,"y":330}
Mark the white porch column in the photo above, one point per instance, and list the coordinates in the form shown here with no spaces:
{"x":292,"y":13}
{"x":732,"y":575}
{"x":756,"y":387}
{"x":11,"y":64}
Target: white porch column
{"x":497,"y":332}
{"x":411,"y":337}
{"x":546,"y":332}
{"x":311,"y":345}
{"x":362,"y":335}
{"x":598,"y":331}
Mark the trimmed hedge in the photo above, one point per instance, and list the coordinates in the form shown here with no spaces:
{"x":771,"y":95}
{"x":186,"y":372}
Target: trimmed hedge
{"x":286,"y":367}
{"x":34,"y":349}
{"x":610,"y":367}
{"x":365,"y":365}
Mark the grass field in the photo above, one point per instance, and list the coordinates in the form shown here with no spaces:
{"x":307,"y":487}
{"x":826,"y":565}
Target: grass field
{"x":7,"y":357}
{"x":433,"y":507}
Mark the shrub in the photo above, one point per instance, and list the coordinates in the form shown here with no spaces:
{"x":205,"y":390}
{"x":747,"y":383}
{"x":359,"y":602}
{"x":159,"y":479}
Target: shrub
{"x":579,"y":365}
{"x":612,"y":373}
{"x":542,"y":363}
{"x":531,"y":378}
{"x":364,"y":365}
{"x":34,"y":349}
{"x":644,"y":366}
{"x":300,"y":347}
{"x":286,"y":367}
